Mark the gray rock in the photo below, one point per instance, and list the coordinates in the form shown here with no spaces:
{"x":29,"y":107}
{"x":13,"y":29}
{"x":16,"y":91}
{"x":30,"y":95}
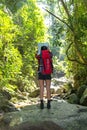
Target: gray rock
{"x":44,"y":125}
{"x":73,"y":99}
{"x":83,"y":99}
{"x":81,"y":90}
{"x":62,"y":115}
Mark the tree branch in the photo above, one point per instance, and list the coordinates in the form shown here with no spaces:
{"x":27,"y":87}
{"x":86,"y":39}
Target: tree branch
{"x":80,"y":56}
{"x":67,"y":12}
{"x":73,"y":60}
{"x":65,"y":8}
{"x":59,"y":19}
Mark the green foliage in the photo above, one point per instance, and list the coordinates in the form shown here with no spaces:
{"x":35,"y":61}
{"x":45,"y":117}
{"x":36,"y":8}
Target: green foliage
{"x":12,"y":89}
{"x":21,"y":28}
{"x":58,"y":65}
{"x":57,"y":33}
{"x":10,"y":58}
{"x":13,"y":5}
{"x":13,"y":61}
{"x":72,"y":35}
{"x":25,"y":84}
{"x":79,"y":23}
{"x":6,"y":28}
{"x":32,"y":31}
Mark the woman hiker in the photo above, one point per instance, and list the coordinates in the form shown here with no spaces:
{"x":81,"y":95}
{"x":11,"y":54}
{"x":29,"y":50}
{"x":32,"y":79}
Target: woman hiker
{"x":45,"y":69}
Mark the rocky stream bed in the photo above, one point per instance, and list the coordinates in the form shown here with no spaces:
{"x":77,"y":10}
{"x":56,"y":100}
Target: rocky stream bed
{"x":61,"y":116}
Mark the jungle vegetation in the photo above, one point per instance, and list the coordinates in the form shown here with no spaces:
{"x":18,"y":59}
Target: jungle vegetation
{"x":63,"y":23}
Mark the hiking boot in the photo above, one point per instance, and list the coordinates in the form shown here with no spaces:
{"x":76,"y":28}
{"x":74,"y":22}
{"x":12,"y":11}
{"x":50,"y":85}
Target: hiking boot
{"x":41,"y":104}
{"x":48,"y":104}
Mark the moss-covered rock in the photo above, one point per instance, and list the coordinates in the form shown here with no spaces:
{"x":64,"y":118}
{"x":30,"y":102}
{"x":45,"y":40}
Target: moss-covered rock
{"x":81,"y":90}
{"x":34,"y":93}
{"x":73,"y":99}
{"x":83,"y":100}
{"x":5,"y":104}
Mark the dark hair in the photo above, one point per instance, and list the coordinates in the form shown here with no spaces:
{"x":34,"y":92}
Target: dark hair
{"x":44,"y":48}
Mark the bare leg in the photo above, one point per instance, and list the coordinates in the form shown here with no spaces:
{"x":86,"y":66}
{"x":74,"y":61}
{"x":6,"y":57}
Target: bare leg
{"x":41,"y":84}
{"x":48,"y":83}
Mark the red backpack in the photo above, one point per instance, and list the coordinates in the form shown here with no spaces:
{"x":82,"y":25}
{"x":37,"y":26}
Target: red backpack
{"x":47,"y":62}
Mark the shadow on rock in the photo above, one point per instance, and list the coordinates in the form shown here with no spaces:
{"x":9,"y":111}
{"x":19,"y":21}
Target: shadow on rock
{"x":45,"y":125}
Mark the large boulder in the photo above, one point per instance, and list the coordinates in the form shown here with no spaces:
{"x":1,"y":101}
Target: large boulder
{"x":45,"y":125}
{"x":83,"y":100}
{"x":73,"y":99}
{"x":81,"y":90}
{"x":3,"y":100}
{"x":5,"y":104}
{"x":35,"y":93}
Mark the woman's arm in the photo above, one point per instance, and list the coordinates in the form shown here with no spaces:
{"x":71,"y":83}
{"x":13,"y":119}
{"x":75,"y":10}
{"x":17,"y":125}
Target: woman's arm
{"x":37,"y":56}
